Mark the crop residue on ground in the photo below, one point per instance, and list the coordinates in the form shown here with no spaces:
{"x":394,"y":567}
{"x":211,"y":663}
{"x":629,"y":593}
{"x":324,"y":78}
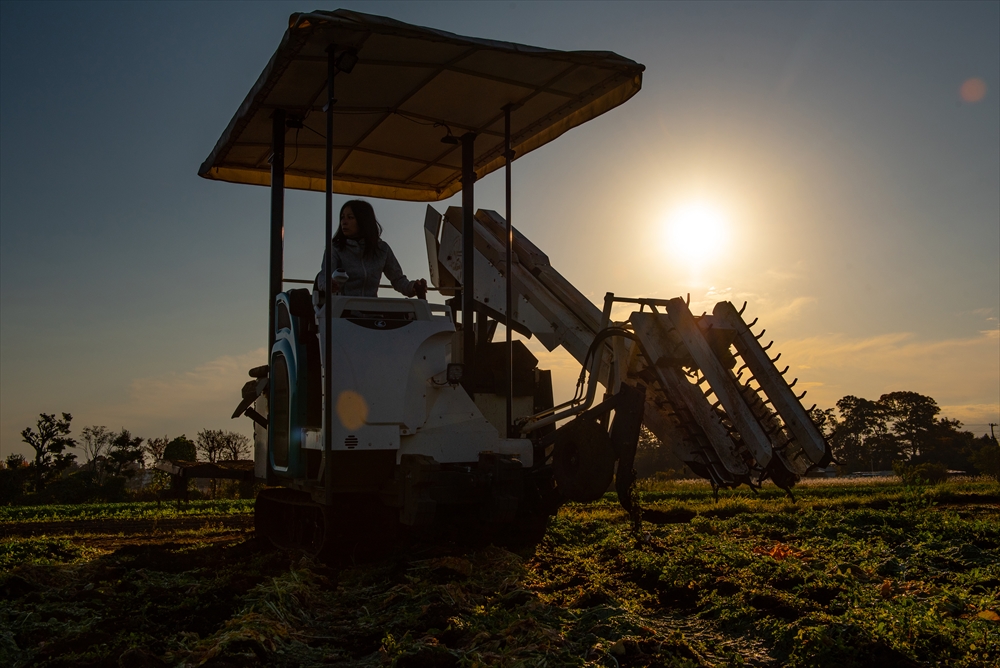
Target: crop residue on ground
{"x":849,"y":575}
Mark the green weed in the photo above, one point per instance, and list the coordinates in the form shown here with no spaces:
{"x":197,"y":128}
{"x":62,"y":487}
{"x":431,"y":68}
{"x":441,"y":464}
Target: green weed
{"x":857,"y":574}
{"x":124,"y":511}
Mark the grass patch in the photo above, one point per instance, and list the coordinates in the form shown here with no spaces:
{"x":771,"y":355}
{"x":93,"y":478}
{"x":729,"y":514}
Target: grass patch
{"x":144,"y":510}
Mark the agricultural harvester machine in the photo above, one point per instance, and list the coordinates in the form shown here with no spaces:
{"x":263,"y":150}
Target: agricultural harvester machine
{"x":377,"y":413}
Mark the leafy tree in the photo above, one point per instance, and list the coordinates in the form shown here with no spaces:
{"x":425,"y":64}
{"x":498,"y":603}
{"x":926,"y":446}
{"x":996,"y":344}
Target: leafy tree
{"x":862,"y":440}
{"x":654,"y":459}
{"x":946,"y":443}
{"x":900,"y":429}
{"x":13,"y":477}
{"x":124,"y":450}
{"x":911,"y":417}
{"x":181,"y":449}
{"x":987,"y":458}
{"x":15,"y":461}
{"x":825,"y":420}
{"x":49,"y":444}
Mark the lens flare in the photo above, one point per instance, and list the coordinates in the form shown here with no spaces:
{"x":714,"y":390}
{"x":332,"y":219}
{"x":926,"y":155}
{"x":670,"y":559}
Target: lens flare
{"x":352,"y":409}
{"x":973,"y":90}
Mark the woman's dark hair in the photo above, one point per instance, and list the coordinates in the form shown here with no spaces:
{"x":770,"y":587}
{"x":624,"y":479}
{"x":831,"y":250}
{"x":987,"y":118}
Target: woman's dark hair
{"x":368,"y":227}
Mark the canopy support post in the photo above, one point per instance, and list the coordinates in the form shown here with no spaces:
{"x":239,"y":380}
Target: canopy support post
{"x":276,"y":271}
{"x":328,"y":289}
{"x":468,"y":261}
{"x":508,"y":271}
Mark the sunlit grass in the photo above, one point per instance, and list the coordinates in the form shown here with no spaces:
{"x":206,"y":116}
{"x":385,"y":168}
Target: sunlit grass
{"x":124,"y":511}
{"x":848,"y":572}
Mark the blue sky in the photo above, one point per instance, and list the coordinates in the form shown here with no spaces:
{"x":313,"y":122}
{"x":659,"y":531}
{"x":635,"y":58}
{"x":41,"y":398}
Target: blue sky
{"x":859,"y":194}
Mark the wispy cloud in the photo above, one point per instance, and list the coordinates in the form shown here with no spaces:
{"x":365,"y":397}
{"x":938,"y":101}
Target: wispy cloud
{"x":187,"y":401}
{"x":787,"y":310}
{"x":987,"y":315}
{"x":769,"y":309}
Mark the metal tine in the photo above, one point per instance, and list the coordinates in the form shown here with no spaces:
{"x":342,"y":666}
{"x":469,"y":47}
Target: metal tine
{"x":775,"y":360}
{"x":785,"y":371}
{"x":813,"y":408}
{"x":761,"y":334}
{"x":753,"y":323}
{"x":708,"y":392}
{"x":739,"y":375}
{"x":740,"y":370}
{"x":743,"y":308}
{"x":792,"y":384}
{"x":768,"y":346}
{"x":802,"y":396}
{"x":687,"y":302}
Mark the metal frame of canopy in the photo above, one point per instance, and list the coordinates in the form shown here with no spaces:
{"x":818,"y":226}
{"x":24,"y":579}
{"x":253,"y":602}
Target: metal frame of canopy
{"x":555,"y":90}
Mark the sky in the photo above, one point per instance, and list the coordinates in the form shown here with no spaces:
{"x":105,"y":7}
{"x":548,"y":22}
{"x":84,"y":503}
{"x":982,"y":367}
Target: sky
{"x":845,"y":158}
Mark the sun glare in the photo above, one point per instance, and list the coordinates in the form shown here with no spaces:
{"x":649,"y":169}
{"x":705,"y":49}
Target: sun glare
{"x":696,"y":233}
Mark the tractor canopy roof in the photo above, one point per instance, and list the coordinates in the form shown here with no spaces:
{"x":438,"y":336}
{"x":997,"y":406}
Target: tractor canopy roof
{"x":411,"y":87}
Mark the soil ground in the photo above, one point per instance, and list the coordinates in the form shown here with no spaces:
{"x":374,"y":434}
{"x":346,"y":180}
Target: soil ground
{"x":848,"y":575}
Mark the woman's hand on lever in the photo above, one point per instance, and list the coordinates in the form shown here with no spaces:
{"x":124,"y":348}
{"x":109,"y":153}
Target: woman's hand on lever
{"x":420,"y":288}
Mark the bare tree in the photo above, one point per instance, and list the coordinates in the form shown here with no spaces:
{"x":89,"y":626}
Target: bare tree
{"x":217,"y":445}
{"x":210,"y":444}
{"x":155,"y":446}
{"x":96,"y":440}
{"x":235,"y":446}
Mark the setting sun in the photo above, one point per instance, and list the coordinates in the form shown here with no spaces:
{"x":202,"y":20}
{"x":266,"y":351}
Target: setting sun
{"x":696,"y":232}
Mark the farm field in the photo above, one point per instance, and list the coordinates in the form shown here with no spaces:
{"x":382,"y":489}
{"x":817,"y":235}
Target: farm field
{"x":850,"y":574}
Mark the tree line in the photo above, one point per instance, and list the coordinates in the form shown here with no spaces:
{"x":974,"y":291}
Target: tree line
{"x":111,"y":460}
{"x":900,"y":431}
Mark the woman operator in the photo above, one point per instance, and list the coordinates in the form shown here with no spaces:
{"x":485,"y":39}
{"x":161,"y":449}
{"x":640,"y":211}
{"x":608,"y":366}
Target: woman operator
{"x":359,"y":251}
